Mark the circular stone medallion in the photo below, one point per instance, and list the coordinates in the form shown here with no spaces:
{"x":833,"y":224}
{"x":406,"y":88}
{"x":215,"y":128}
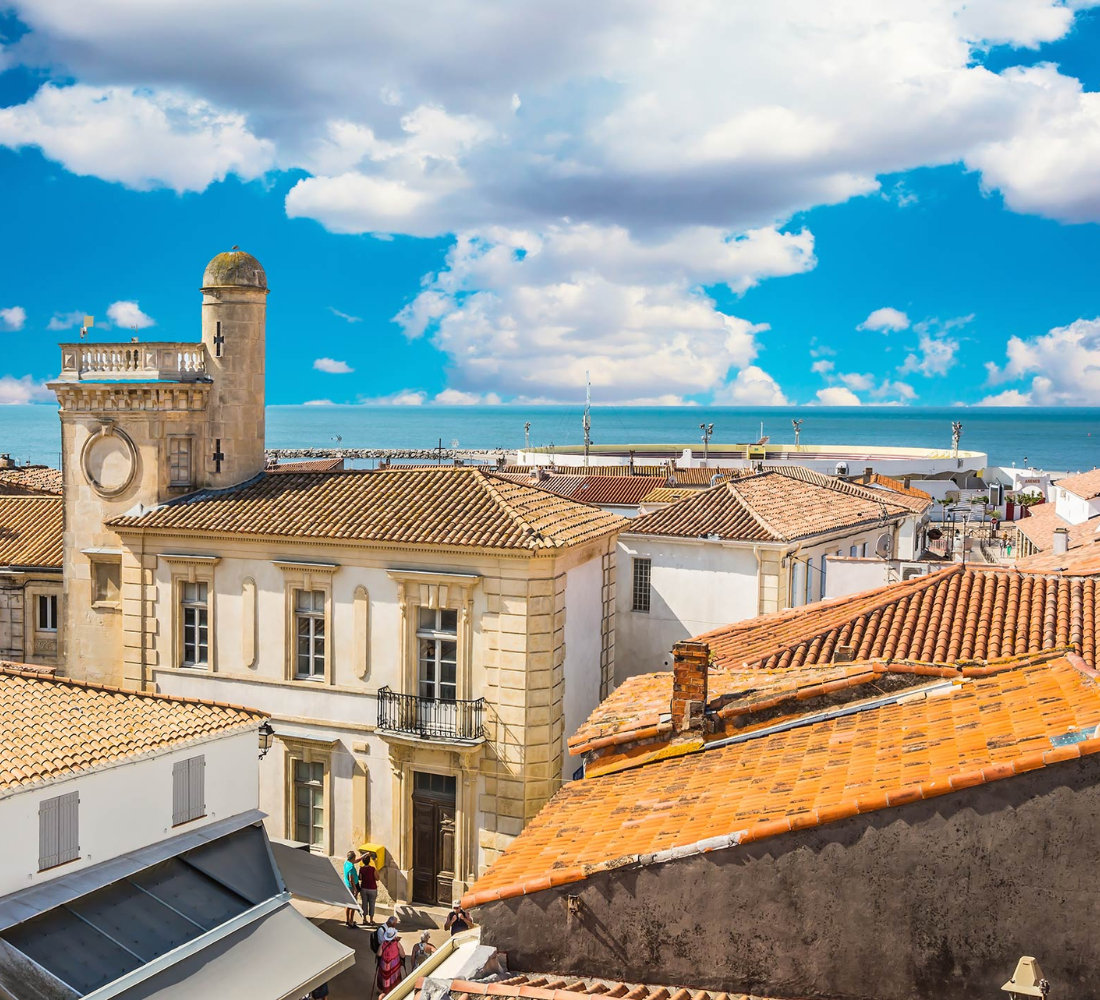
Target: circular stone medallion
{"x":109,"y":460}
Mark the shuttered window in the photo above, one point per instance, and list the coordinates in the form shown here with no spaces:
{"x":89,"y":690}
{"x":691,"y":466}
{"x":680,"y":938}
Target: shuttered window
{"x":58,"y":830}
{"x":188,"y":789}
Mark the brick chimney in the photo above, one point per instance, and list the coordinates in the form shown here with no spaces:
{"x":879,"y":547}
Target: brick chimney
{"x":1061,"y":540}
{"x":690,"y":663}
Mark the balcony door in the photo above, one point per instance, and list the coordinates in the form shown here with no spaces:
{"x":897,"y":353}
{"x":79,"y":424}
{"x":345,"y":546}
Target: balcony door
{"x":437,"y":654}
{"x":433,"y":859}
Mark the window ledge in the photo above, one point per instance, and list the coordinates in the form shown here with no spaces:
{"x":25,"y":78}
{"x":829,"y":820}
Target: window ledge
{"x":106,"y":606}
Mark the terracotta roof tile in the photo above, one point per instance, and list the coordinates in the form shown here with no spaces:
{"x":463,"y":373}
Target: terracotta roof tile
{"x":51,"y":726}
{"x":832,"y":766}
{"x":1085,"y":485}
{"x":551,"y":986}
{"x":453,"y":507}
{"x":780,"y":505}
{"x":1082,"y":560}
{"x":1043,"y":518}
{"x":31,"y":531}
{"x":669,"y":494}
{"x":30,"y":480}
{"x":592,"y":470}
{"x":953,"y":615}
{"x":621,"y":490}
{"x":314,"y":465}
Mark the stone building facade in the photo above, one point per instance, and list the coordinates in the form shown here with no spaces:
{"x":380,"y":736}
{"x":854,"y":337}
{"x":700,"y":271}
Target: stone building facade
{"x":31,"y":588}
{"x":422,"y":639}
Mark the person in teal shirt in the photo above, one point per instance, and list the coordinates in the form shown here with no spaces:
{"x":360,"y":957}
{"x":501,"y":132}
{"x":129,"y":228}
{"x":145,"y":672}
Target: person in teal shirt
{"x":351,"y":880}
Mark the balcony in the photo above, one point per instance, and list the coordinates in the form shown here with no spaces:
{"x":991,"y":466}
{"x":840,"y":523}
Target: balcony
{"x":162,"y":362}
{"x":431,"y":719}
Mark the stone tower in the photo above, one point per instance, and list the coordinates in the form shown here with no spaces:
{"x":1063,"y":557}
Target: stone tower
{"x":234,"y":309}
{"x":142,"y":423}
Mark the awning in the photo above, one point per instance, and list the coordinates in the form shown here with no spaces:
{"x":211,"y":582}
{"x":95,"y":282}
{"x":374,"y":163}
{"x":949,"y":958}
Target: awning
{"x":281,"y":956}
{"x":310,"y":876}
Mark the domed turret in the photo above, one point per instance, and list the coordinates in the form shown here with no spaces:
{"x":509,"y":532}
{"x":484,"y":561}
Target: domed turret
{"x":234,"y":268}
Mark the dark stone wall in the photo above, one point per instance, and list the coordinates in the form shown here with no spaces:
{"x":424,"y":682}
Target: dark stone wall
{"x":931,"y":901}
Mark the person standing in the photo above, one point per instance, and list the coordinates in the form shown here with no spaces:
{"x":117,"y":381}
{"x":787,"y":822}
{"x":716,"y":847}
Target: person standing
{"x":351,"y":880}
{"x":422,"y":949}
{"x":458,"y":919}
{"x":368,"y":886}
{"x":391,"y":958}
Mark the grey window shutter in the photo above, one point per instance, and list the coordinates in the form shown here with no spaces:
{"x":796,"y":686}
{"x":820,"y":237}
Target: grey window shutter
{"x":49,"y":848}
{"x":180,"y":789}
{"x":69,"y":826}
{"x":198,"y":787}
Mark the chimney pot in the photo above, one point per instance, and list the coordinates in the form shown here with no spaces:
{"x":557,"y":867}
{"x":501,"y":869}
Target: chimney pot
{"x":690,"y":667}
{"x":1061,"y":540}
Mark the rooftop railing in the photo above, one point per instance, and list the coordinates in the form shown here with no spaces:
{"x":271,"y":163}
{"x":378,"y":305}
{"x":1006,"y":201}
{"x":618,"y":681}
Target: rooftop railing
{"x":430,"y":718}
{"x":177,"y":362}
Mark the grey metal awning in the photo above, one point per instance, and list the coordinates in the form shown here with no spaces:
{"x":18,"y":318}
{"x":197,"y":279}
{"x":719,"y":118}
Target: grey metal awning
{"x":281,"y":955}
{"x":311,"y":876}
{"x":220,"y":903}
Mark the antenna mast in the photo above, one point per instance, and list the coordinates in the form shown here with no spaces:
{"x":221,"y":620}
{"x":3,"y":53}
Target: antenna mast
{"x":587,"y":422}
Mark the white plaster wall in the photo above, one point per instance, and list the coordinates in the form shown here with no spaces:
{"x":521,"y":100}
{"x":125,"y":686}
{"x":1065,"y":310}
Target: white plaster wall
{"x":850,"y":576}
{"x":584,"y":601}
{"x":1075,"y":509}
{"x":696,"y":586}
{"x":126,"y":806}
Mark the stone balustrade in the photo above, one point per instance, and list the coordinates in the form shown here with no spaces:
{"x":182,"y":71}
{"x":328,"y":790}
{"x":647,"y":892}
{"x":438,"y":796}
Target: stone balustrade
{"x":175,"y":362}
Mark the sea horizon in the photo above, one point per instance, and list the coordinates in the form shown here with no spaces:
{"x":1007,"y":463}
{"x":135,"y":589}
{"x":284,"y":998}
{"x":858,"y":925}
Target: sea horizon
{"x":1055,"y":438}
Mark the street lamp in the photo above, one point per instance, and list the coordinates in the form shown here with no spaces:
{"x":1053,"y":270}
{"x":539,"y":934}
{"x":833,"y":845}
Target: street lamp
{"x":797,"y":425}
{"x":708,"y":430}
{"x":267,"y":737}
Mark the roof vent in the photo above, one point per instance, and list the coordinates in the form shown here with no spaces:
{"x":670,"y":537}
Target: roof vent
{"x":844,"y":654}
{"x":1027,"y":980}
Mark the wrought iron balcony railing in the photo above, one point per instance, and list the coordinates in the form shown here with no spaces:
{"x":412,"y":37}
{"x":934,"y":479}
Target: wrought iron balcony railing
{"x":430,"y":718}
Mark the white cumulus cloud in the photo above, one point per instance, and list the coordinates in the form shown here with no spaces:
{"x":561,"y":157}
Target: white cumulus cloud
{"x":65,"y":321}
{"x":23,"y":390}
{"x":332,"y":366}
{"x":752,"y":386}
{"x":403,"y":397}
{"x":1064,"y":366}
{"x":127,"y":313}
{"x":837,"y":395}
{"x":885,"y":319}
{"x":144,"y":139}
{"x":935,"y":355}
{"x":453,"y":397}
{"x":13,"y":318}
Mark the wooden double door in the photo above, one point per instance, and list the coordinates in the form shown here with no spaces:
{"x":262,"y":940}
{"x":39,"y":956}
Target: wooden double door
{"x":433,"y":858}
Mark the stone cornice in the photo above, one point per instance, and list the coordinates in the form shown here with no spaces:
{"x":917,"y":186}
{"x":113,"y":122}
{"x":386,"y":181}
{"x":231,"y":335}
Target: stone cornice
{"x":115,"y":397}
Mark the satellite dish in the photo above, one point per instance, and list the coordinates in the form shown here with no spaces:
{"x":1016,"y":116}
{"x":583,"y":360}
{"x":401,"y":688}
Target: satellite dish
{"x":884,"y":545}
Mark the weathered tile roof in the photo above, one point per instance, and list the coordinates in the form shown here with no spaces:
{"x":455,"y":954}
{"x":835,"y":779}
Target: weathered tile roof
{"x":669,"y":494}
{"x":463,"y":507}
{"x":614,"y":490}
{"x":53,"y":726}
{"x":1085,"y":485}
{"x":945,"y":736}
{"x":30,"y":480}
{"x":1043,"y":518}
{"x":907,"y":496}
{"x":952,"y":616}
{"x":551,"y":986}
{"x":783,"y":504}
{"x":313,"y":465}
{"x":592,"y":470}
{"x":1083,"y":560}
{"x":31,"y":531}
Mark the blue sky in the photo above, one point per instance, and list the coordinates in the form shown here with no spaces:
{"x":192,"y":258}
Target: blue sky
{"x":799,"y":204}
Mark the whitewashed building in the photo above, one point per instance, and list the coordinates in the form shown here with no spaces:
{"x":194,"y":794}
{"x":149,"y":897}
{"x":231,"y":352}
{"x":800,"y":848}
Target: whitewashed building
{"x":749,"y":546}
{"x":135,"y":863}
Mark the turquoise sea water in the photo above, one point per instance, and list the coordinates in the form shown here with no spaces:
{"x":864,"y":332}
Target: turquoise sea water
{"x":1057,"y":439}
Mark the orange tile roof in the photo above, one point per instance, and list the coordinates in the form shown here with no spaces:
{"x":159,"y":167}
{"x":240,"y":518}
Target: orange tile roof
{"x":314,"y":465}
{"x":938,"y":739}
{"x":954,"y":615}
{"x":31,"y":531}
{"x":910,"y":496}
{"x":780,"y":505}
{"x":463,"y":507}
{"x":1043,"y":518}
{"x":669,"y":494}
{"x":551,"y":986}
{"x":1084,"y":560}
{"x":592,"y":470}
{"x":54,"y":726}
{"x":30,"y":480}
{"x":612,"y":490}
{"x":1085,"y":485}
